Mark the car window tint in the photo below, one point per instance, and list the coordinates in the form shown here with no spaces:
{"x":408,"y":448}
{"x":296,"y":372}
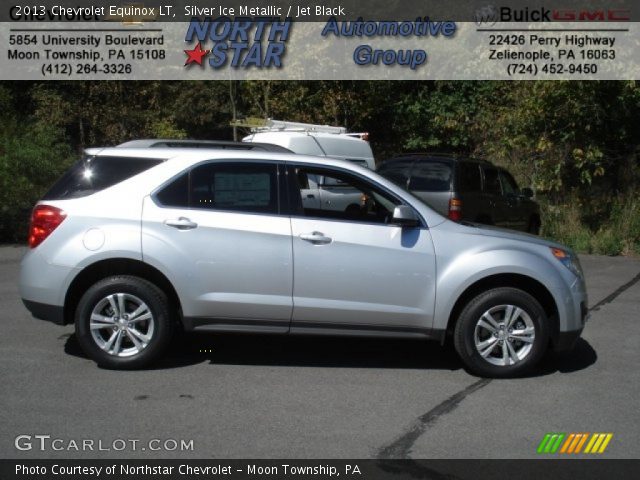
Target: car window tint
{"x":491,"y":181}
{"x":509,"y":185}
{"x":243,"y":187}
{"x":346,"y":197}
{"x":430,"y":177}
{"x":93,"y":174}
{"x":176,"y":193}
{"x":397,"y":171}
{"x":470,"y":180}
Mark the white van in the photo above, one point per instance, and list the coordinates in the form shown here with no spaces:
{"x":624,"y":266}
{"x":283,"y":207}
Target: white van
{"x":317,"y":140}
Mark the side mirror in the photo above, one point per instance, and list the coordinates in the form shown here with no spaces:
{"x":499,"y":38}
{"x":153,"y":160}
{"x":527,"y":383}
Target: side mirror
{"x":527,"y":192}
{"x":405,"y":216}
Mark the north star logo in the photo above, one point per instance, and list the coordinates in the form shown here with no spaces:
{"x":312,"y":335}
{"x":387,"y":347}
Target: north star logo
{"x":240,"y":43}
{"x":195,"y":55}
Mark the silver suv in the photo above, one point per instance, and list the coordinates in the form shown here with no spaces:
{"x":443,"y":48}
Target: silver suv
{"x":131,"y":244}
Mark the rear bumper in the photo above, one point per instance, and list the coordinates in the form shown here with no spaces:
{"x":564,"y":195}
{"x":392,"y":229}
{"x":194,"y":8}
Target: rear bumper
{"x":42,"y":311}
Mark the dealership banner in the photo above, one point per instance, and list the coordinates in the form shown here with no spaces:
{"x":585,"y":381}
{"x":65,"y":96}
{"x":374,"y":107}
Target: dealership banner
{"x":284,"y":469}
{"x":324,"y":40}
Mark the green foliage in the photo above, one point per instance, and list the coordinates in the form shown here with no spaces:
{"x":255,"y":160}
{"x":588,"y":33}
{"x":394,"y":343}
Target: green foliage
{"x":616,"y":231}
{"x":576,"y":143}
{"x":32,"y":156}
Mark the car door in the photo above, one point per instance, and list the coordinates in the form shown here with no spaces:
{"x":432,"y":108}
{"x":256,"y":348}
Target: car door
{"x":517,"y":215}
{"x":356,"y":270}
{"x":494,"y":205}
{"x":217,"y":231}
{"x":468,"y":187}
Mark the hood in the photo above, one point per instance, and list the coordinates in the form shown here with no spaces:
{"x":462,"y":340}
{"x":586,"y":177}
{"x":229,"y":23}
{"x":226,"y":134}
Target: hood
{"x":472,"y":228}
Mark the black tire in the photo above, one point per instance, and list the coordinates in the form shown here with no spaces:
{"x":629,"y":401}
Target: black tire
{"x":134,"y":289}
{"x":468,"y":332}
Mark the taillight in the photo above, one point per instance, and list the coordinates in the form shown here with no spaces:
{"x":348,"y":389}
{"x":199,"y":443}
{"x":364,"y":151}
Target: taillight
{"x":455,"y":209}
{"x":44,"y":220}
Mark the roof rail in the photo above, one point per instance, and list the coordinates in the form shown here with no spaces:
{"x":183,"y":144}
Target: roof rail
{"x":448,"y":155}
{"x":214,"y":144}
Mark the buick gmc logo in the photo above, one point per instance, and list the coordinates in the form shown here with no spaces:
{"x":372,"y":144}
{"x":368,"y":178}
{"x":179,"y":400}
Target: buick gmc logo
{"x":486,"y":16}
{"x":489,"y":15}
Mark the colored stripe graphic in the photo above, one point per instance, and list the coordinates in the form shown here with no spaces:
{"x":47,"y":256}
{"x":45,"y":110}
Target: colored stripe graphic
{"x":581,"y":442}
{"x":567,"y":442}
{"x":573,"y":443}
{"x":543,"y":443}
{"x":550,"y":443}
{"x":598,"y":443}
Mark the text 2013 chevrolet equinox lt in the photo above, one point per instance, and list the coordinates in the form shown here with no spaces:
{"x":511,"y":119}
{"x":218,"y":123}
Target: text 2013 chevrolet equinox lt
{"x":131,"y":243}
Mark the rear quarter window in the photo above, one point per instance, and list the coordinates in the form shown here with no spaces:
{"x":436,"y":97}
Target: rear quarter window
{"x":93,"y":174}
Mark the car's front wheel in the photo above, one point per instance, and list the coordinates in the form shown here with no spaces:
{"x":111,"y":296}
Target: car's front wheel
{"x":502,"y":332}
{"x":123,"y":322}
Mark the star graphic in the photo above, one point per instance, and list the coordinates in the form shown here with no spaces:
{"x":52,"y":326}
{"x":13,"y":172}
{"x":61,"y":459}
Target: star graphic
{"x":195,"y":55}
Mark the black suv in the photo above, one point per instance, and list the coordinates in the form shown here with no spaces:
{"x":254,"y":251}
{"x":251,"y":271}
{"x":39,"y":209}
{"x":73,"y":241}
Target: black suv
{"x":465,"y":189}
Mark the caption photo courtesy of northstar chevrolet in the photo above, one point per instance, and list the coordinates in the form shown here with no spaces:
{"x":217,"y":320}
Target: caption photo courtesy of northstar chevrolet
{"x":319,"y":239}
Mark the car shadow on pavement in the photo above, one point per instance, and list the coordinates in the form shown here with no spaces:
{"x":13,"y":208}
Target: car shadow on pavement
{"x":582,"y":356}
{"x":335,"y":352}
{"x":280,"y":350}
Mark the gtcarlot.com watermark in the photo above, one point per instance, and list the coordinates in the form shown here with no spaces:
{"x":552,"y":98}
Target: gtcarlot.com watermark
{"x":48,"y":443}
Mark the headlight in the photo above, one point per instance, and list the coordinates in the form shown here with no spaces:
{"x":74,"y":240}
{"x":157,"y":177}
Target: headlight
{"x":568,"y":259}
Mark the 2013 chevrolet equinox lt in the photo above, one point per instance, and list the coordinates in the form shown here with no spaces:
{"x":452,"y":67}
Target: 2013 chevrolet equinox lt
{"x":131,"y":243}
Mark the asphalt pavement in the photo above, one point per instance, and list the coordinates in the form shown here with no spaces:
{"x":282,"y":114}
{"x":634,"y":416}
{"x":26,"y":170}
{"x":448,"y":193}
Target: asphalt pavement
{"x":225,"y":396}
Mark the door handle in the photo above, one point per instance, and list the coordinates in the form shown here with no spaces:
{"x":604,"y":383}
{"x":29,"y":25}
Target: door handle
{"x":317,"y":238}
{"x":181,"y":223}
{"x":311,"y":195}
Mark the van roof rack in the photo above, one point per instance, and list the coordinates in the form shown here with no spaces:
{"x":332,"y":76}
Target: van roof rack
{"x":270,"y":125}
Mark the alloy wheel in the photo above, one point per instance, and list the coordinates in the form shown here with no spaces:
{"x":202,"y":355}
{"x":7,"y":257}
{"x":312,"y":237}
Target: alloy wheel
{"x":122,"y":324}
{"x":504,"y":335}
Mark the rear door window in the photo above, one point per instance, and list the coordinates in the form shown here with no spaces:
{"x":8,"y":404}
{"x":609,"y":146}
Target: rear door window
{"x":96,"y":173}
{"x":431,"y":177}
{"x":491,"y":181}
{"x":241,"y":187}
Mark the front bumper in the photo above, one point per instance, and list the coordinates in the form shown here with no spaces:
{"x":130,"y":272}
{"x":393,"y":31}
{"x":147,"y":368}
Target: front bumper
{"x":565,"y":340}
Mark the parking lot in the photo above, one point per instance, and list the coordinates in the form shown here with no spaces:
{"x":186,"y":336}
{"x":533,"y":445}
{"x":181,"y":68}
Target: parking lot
{"x":266,"y":396}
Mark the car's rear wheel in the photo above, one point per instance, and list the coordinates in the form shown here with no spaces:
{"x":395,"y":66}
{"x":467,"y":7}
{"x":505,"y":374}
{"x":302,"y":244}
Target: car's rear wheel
{"x":123,"y":322}
{"x":502,"y":332}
